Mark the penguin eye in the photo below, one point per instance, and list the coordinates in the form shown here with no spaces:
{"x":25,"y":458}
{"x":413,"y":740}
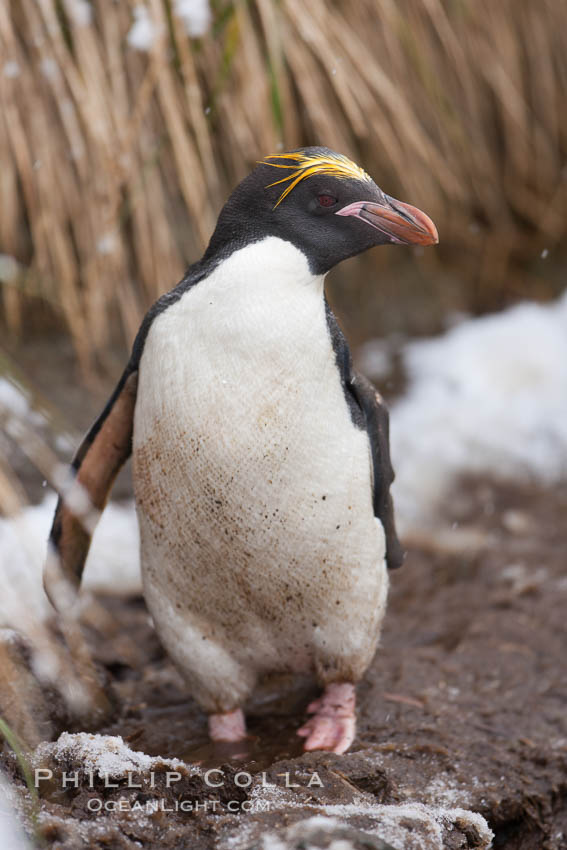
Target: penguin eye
{"x":326,"y":200}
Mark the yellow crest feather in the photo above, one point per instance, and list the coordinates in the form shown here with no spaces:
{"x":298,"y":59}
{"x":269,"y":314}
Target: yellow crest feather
{"x":303,"y":166}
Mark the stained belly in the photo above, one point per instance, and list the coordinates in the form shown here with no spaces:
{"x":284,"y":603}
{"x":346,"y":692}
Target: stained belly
{"x":262,"y":524}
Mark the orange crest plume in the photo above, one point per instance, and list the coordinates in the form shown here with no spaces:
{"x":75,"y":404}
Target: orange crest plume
{"x":302,"y":166}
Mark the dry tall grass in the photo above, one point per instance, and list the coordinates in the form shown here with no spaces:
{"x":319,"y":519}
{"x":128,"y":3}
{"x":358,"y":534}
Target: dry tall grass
{"x":115,"y":161}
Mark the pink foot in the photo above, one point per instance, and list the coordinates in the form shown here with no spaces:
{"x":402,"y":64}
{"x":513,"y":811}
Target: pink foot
{"x":227,"y":727}
{"x":333,"y":724}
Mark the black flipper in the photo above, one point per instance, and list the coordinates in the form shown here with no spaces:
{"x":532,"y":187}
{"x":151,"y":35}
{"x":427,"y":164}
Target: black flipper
{"x":96,"y":464}
{"x":369,"y":413}
{"x":377,"y":423}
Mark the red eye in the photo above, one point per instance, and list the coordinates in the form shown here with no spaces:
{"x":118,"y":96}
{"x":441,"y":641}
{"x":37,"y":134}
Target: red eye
{"x":326,"y":200}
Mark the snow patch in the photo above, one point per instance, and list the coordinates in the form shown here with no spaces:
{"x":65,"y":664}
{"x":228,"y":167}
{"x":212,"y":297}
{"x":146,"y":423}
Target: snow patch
{"x":49,"y":68}
{"x":112,"y":565}
{"x":11,"y":69}
{"x":104,"y":755}
{"x":80,"y":12}
{"x":144,"y":31}
{"x":375,"y":359}
{"x":413,"y":826}
{"x":489,"y":396}
{"x":195,"y":14}
{"x":12,"y":836}
{"x":108,"y":243}
{"x":10,"y":269}
{"x":13,"y":399}
{"x":441,"y":792}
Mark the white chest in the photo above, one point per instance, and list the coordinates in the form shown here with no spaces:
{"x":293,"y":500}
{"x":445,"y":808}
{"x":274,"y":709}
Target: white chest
{"x":241,"y":420}
{"x":244,"y":360}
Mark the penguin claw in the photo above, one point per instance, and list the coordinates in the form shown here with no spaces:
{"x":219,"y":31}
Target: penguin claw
{"x":328,"y":733}
{"x":333,"y":725}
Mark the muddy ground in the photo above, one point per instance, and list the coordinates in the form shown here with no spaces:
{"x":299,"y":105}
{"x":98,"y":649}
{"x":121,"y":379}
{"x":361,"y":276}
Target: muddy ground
{"x":464,"y":706}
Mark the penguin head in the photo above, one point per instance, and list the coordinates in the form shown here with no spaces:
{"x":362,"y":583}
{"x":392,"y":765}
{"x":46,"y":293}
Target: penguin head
{"x":321,"y":202}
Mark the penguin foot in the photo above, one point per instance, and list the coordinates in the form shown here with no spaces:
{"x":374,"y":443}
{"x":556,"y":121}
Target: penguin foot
{"x":227,"y":727}
{"x":333,"y":724}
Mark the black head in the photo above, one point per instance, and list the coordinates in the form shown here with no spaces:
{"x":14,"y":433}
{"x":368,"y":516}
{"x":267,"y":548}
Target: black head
{"x":323,"y":203}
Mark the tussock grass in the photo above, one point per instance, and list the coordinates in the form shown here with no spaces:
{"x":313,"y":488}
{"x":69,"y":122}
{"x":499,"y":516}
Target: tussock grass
{"x":115,"y":161}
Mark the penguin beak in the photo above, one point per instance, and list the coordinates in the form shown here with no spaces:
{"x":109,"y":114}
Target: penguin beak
{"x":401,"y":223}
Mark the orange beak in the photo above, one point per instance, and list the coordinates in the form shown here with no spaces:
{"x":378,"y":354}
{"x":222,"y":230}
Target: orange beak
{"x":402,"y":223}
